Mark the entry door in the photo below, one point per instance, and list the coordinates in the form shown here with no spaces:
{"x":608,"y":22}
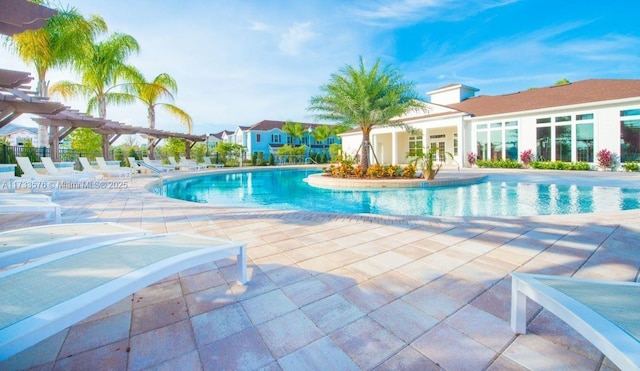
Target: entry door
{"x":440,"y":155}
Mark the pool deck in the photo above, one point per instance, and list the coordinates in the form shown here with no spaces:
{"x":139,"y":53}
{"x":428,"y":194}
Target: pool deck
{"x":342,"y":291}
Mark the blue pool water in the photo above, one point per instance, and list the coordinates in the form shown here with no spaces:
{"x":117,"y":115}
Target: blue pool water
{"x":285,"y":189}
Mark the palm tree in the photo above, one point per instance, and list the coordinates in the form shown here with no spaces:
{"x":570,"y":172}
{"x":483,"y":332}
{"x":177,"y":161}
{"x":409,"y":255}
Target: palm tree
{"x":103,"y":68}
{"x":363,"y":98}
{"x":150,"y":92}
{"x":294,"y":129}
{"x":322,"y":133}
{"x":59,"y":44}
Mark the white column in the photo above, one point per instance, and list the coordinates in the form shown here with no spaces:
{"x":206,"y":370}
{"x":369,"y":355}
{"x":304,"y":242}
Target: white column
{"x":461,"y":143}
{"x":425,"y":139}
{"x":394,"y":147}
{"x":374,"y":147}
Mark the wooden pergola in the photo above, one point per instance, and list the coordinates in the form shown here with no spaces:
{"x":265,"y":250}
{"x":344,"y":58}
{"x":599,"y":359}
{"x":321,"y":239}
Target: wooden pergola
{"x":63,"y":123}
{"x":20,"y":15}
{"x":16,"y":99}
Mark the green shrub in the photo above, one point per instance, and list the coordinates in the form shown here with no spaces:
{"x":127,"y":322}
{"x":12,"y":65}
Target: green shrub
{"x":505,"y":164}
{"x":560,"y":165}
{"x":631,"y":166}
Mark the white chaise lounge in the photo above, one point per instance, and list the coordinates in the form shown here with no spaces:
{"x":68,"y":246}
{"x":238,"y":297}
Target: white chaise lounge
{"x":87,"y":168}
{"x":54,"y":171}
{"x":30,"y":173}
{"x":57,"y":291}
{"x":119,"y":171}
{"x":19,"y":203}
{"x":21,"y":245}
{"x":607,"y":313}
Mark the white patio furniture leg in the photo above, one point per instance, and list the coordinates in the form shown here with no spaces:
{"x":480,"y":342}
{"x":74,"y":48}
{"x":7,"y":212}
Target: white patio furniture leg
{"x":242,"y":265}
{"x":518,"y":308}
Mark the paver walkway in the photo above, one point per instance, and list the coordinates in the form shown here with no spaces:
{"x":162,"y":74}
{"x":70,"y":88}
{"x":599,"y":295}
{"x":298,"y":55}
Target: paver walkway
{"x":339,"y":292}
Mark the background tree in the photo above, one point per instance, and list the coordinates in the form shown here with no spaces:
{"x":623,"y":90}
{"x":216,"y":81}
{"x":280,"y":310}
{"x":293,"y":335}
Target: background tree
{"x":362,"y":98}
{"x":564,"y":81}
{"x":150,"y":93}
{"x":322,"y":133}
{"x":61,"y":43}
{"x":102,"y":68}
{"x":294,"y":130}
{"x":86,"y":142}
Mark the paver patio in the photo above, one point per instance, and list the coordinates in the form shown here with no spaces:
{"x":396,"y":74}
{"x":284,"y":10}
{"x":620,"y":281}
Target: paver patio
{"x":339,"y":291}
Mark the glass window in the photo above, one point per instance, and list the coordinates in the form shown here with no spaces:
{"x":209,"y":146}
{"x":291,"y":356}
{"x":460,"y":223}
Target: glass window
{"x":258,"y":138}
{"x":437,"y":136}
{"x":543,"y":144}
{"x":511,"y":124}
{"x":511,"y":144}
{"x":563,"y":143}
{"x":630,"y":140}
{"x":415,"y":144}
{"x":275,"y":138}
{"x":496,"y":125}
{"x":584,"y":142}
{"x":455,"y":144}
{"x":563,"y":118}
{"x":482,"y":126}
{"x":545,"y":120}
{"x":586,"y":116}
{"x":482,"y":145}
{"x":630,"y":112}
{"x":496,"y":145}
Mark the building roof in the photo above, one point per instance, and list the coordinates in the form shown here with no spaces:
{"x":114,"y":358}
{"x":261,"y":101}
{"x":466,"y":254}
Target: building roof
{"x":12,"y":128}
{"x":585,"y":91}
{"x":266,"y":125}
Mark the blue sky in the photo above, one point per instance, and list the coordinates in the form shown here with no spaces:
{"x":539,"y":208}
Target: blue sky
{"x":239,"y":62}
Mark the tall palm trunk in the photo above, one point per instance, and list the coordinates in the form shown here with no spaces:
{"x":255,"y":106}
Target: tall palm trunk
{"x":364,"y":157}
{"x":151,"y":117}
{"x":43,"y":91}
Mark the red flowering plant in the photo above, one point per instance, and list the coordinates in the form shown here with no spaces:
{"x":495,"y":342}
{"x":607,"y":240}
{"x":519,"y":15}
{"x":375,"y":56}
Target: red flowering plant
{"x":526,"y":157}
{"x":606,"y":159}
{"x":471,"y":157}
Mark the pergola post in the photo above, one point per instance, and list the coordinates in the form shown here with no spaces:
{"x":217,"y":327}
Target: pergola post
{"x":105,"y":147}
{"x":54,"y":143}
{"x":187,"y":148}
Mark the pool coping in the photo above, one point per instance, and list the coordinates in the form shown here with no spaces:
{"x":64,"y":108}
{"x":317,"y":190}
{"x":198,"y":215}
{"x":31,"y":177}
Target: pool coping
{"x":327,"y":182}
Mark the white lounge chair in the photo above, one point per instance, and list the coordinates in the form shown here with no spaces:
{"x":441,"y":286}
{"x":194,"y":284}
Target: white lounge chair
{"x":605,"y":312}
{"x":18,"y":203}
{"x":141,"y":166}
{"x":30,"y":173}
{"x":86,"y":167}
{"x":158,"y":164}
{"x":54,"y":292}
{"x":54,"y":171}
{"x":208,"y":163}
{"x":120,"y":172}
{"x":21,"y":245}
{"x":183,"y":165}
{"x":193,"y":164}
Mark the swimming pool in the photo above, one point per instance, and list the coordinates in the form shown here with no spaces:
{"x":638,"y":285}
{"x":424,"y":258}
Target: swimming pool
{"x":499,"y":195}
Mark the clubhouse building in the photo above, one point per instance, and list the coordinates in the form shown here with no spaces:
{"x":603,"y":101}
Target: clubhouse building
{"x":570,"y":123}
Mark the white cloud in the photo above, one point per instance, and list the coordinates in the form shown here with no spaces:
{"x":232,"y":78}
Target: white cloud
{"x":259,"y":26}
{"x":393,"y":13}
{"x":533,"y":59}
{"x":296,"y":38}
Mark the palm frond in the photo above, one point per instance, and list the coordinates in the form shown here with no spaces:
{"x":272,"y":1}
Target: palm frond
{"x":183,"y":117}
